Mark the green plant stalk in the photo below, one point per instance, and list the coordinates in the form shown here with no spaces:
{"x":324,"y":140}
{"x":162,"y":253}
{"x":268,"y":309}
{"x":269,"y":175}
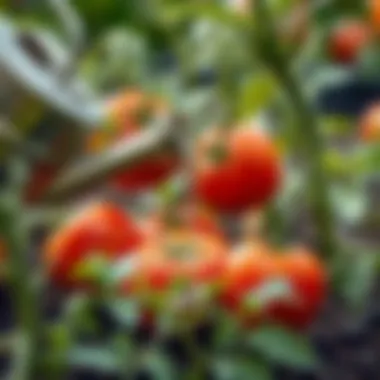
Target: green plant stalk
{"x":274,"y":224}
{"x":16,"y":239}
{"x":198,"y":365}
{"x":267,"y":42}
{"x":15,"y":235}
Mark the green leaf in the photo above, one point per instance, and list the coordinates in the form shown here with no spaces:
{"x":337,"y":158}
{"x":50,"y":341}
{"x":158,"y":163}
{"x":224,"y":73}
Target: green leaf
{"x":242,"y":369}
{"x":126,"y":311}
{"x":171,"y":191}
{"x":336,"y":125}
{"x":359,"y":278}
{"x":257,"y":93}
{"x":367,"y":158}
{"x":60,"y":336}
{"x":283,"y":347}
{"x":229,"y":331}
{"x":95,"y":268}
{"x":349,"y":203}
{"x":122,"y":269}
{"x":98,"y":359}
{"x":159,"y":365}
{"x":180,"y":12}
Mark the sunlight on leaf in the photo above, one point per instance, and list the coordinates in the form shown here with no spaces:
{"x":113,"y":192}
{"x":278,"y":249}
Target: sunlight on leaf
{"x":283,"y":347}
{"x":257,"y":93}
{"x":98,"y":359}
{"x":242,"y":369}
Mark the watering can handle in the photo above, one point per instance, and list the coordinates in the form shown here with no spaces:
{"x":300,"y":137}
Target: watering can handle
{"x":75,"y":31}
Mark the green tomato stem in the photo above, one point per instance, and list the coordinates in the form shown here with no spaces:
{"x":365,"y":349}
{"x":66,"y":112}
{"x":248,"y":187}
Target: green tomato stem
{"x":23,"y":285}
{"x":307,"y":126}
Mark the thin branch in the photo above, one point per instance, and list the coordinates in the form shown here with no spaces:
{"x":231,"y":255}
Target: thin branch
{"x":94,"y":170}
{"x":15,"y":235}
{"x":74,"y":29}
{"x":312,"y":147}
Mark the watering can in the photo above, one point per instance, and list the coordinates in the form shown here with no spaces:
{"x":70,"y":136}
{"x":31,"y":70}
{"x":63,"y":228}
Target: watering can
{"x":42,"y":101}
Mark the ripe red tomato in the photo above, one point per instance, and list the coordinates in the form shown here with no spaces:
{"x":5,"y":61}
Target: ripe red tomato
{"x":369,"y":126}
{"x":236,"y":171}
{"x":348,"y":39}
{"x":374,"y":10}
{"x":99,"y":229}
{"x":182,"y":256}
{"x":128,"y":114}
{"x":308,"y":280}
{"x":249,"y":267}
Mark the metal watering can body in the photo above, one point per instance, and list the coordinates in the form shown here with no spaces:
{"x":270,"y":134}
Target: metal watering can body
{"x":40,"y":104}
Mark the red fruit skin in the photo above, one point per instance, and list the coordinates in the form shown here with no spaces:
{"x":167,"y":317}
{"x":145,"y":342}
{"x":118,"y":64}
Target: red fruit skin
{"x":124,"y":112}
{"x":158,"y":269}
{"x":147,"y":174}
{"x":248,"y":268}
{"x":369,"y":124}
{"x":308,"y":279}
{"x":348,"y":39}
{"x":248,"y":175}
{"x":100,"y":228}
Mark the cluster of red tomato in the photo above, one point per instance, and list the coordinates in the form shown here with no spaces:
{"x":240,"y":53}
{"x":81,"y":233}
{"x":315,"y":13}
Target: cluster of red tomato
{"x":352,"y":35}
{"x":234,"y":171}
{"x":191,"y":254}
{"x":348,"y":39}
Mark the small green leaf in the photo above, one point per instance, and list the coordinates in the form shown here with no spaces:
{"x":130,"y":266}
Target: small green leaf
{"x":60,"y":336}
{"x":122,"y":269}
{"x":359,"y":278}
{"x":242,"y":369}
{"x":229,"y":330}
{"x":95,"y":358}
{"x":95,"y":268}
{"x":350,"y":204}
{"x":199,"y":9}
{"x":159,"y":365}
{"x":283,"y":347}
{"x":126,"y":311}
{"x":257,"y":92}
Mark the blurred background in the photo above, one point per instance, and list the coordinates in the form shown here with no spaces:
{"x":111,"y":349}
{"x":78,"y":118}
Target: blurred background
{"x":105,"y":105}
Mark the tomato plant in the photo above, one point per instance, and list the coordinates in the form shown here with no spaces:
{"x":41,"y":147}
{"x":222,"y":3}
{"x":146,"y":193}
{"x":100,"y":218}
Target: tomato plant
{"x":211,"y":212}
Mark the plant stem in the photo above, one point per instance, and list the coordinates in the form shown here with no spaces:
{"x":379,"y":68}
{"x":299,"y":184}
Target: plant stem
{"x":16,"y":238}
{"x":197,"y":363}
{"x":274,"y":224}
{"x":307,"y":127}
